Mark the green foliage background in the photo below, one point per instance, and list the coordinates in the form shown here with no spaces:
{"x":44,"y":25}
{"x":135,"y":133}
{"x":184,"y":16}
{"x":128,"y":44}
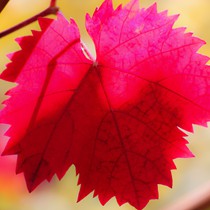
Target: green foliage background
{"x":191,"y":174}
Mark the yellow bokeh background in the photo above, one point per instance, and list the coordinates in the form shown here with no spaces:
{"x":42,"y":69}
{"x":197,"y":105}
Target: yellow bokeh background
{"x":191,"y":174}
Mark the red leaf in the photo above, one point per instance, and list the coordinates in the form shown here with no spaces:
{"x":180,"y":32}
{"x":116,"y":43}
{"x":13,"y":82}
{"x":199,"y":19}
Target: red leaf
{"x":116,"y":118}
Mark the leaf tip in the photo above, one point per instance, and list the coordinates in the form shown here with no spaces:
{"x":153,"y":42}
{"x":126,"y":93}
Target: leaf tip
{"x":153,"y":8}
{"x":10,"y":149}
{"x":83,"y":192}
{"x":44,"y":22}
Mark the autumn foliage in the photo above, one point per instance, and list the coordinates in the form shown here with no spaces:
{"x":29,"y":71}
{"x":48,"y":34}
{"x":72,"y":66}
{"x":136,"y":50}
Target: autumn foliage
{"x":116,"y":117}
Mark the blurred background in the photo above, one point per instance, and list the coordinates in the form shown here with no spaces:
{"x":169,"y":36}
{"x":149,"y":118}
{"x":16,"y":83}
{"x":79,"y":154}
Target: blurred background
{"x":192,"y":174}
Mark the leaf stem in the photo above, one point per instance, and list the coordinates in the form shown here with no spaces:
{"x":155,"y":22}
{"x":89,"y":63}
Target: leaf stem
{"x":87,"y":52}
{"x":53,"y":3}
{"x":52,"y":10}
{"x":3,"y":3}
{"x":195,"y":200}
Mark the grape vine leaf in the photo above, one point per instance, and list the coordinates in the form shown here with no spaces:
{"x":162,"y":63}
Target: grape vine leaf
{"x":116,"y":118}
